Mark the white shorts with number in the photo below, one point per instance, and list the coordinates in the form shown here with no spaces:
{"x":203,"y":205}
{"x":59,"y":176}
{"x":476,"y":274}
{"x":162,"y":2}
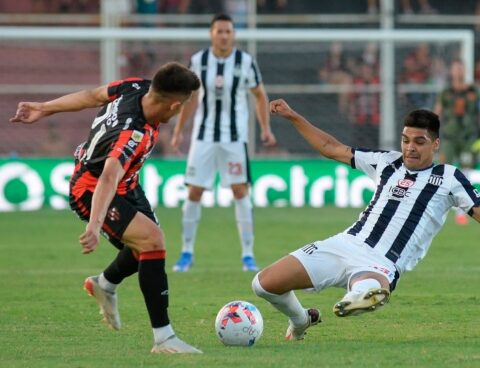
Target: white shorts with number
{"x":333,"y":261}
{"x":205,"y":159}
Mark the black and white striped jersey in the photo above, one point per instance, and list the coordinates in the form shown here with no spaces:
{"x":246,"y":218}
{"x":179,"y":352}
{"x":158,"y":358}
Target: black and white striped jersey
{"x":222,"y":113}
{"x":408,"y":208}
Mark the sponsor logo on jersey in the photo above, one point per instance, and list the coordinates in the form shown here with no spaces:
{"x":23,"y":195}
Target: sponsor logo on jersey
{"x":135,"y":85}
{"x":477,"y":193}
{"x":405,"y":183}
{"x":137,"y":136}
{"x":436,"y":180}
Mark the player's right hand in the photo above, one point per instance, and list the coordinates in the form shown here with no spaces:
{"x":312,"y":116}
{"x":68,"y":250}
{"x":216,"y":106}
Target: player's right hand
{"x":89,"y":240}
{"x":28,"y":113}
{"x":280,"y":107}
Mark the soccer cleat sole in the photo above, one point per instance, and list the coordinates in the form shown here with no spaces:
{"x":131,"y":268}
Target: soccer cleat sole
{"x":372,"y":300}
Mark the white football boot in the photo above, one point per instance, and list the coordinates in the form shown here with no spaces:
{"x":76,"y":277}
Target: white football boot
{"x":298,"y":333}
{"x":106,"y":300}
{"x":173,"y":345}
{"x":354,"y":304}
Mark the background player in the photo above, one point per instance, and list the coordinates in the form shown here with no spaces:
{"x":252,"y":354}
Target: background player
{"x":104,"y":188}
{"x":395,"y":231}
{"x":220,"y":134}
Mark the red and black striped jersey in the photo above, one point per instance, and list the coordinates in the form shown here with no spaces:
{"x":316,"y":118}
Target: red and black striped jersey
{"x":119,"y":130}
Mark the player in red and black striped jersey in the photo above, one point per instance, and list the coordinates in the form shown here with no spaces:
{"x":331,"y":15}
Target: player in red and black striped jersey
{"x":104,"y":188}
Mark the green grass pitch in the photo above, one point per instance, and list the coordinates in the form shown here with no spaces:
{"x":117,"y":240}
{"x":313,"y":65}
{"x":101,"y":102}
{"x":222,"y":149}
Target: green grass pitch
{"x":46,"y":319}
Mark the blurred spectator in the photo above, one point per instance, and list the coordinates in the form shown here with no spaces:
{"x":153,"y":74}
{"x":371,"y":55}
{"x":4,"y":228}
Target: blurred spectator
{"x":73,"y":6}
{"x":147,"y":7}
{"x":477,"y":71}
{"x":271,"y":6}
{"x":174,"y":6}
{"x":423,"y":5}
{"x":336,"y":71}
{"x":206,"y":6}
{"x":364,"y":107}
{"x":416,"y":70}
{"x":238,"y":10}
{"x":372,"y":6}
{"x":457,"y":107}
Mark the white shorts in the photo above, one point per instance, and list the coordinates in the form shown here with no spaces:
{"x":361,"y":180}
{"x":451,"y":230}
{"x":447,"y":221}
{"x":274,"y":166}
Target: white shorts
{"x":205,"y":159}
{"x":333,"y":261}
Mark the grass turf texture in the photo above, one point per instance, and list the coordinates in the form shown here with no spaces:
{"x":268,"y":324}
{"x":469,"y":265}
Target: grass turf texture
{"x":46,"y":319}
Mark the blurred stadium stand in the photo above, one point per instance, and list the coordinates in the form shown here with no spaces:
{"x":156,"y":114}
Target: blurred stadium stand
{"x":332,"y":90}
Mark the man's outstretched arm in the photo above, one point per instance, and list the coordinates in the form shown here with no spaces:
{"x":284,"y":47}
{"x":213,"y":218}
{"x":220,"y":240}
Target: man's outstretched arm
{"x":323,"y":142}
{"x":31,"y":112}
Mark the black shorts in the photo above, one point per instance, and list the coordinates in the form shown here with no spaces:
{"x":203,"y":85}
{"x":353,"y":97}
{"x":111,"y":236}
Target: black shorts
{"x":119,"y":215}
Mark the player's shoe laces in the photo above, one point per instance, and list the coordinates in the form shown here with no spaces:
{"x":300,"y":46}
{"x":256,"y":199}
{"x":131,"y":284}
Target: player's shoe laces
{"x":106,"y":300}
{"x":184,"y":263}
{"x":298,"y":333}
{"x":173,"y":345}
{"x":354,"y":304}
{"x":249,"y":264}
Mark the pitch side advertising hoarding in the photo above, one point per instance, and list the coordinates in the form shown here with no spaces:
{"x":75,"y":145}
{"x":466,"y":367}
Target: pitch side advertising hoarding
{"x":31,"y":184}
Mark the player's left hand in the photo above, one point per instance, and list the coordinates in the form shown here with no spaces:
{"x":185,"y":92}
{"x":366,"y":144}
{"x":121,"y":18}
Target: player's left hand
{"x":268,"y":138}
{"x":89,"y":240}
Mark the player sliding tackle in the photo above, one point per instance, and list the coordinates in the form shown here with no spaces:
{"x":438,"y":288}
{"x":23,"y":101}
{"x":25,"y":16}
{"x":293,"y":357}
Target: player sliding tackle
{"x":393,"y":233}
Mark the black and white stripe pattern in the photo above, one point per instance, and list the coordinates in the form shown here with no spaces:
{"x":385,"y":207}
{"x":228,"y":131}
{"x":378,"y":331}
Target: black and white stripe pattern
{"x":222,"y":115}
{"x":408,"y":208}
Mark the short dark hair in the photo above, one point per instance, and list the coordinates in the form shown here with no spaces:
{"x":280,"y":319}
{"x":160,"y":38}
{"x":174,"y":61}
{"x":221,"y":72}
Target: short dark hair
{"x":175,"y":79}
{"x":221,"y":16}
{"x":424,"y":119}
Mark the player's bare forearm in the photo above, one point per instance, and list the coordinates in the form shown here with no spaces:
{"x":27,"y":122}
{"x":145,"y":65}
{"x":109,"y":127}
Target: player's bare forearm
{"x":187,"y":111}
{"x":31,"y":112}
{"x":102,"y":197}
{"x":78,"y":100}
{"x":263,"y":116}
{"x":321,"y":141}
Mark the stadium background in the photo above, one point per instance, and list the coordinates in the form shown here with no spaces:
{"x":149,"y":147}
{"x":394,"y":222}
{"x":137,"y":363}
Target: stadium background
{"x":334,"y":84}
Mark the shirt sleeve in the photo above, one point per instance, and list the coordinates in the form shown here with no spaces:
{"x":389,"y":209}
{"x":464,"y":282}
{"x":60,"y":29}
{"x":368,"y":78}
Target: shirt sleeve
{"x":371,"y":162}
{"x":117,"y":87}
{"x":128,"y":146}
{"x":465,"y":195}
{"x":254,"y":76}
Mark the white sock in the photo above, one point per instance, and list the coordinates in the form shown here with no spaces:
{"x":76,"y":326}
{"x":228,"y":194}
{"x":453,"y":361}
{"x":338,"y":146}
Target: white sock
{"x":191,"y":216}
{"x":244,"y":216}
{"x":160,"y":334}
{"x":363,"y":286}
{"x":287,"y":303}
{"x":105,"y":284}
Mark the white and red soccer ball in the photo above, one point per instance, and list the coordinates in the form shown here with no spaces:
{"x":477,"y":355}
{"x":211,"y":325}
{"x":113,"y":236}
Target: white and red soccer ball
{"x":239,"y":323}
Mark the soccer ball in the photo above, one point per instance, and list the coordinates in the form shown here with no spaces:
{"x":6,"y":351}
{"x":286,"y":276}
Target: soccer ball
{"x":239,"y":323}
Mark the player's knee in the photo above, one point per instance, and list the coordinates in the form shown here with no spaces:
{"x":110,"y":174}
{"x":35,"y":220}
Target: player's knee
{"x":195,"y":193}
{"x":239,"y":191}
{"x":152,"y":242}
{"x":258,"y":288}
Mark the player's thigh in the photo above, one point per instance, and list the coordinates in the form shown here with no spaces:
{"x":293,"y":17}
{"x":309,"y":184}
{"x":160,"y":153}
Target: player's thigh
{"x":234,"y":164}
{"x":325,"y":263}
{"x":284,"y":275}
{"x":143,"y":235}
{"x":201,"y":165}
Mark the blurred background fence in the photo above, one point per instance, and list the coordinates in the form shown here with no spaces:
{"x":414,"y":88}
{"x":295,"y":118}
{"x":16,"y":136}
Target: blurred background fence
{"x":337,"y":83}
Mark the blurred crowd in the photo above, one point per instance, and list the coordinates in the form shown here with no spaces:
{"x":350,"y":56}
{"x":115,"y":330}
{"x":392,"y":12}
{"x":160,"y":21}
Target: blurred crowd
{"x":351,"y":72}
